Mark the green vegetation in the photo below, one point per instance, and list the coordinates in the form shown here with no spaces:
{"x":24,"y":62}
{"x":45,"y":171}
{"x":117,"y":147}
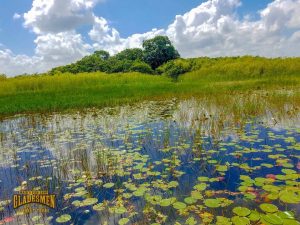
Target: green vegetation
{"x":207,"y":77}
{"x":155,"y":53}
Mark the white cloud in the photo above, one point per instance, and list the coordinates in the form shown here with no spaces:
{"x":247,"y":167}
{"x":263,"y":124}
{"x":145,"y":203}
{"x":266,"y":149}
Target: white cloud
{"x":16,"y":16}
{"x":61,"y":48}
{"x":51,"y":50}
{"x":11,"y":64}
{"x":53,"y":16}
{"x":214,"y":29}
{"x":211,"y":29}
{"x":109,"y":38}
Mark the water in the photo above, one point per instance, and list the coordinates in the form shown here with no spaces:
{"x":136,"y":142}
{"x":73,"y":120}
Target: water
{"x":153,"y":163}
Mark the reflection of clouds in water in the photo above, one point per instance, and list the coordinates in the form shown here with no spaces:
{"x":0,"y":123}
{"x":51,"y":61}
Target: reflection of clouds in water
{"x":62,"y":132}
{"x":71,"y":143}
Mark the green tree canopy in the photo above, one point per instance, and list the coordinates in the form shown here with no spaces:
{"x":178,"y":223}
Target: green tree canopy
{"x":158,"y":51}
{"x":130,"y":54}
{"x":104,"y":55}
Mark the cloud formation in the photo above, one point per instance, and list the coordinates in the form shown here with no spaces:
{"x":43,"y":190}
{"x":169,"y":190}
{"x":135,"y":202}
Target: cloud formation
{"x":212,"y":29}
{"x":53,"y":16}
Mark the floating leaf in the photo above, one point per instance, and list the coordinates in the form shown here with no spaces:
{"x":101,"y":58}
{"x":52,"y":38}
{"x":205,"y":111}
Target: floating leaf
{"x":223,"y":221}
{"x":191,"y":221}
{"x":222,"y":168}
{"x":63,"y":218}
{"x":190,"y":200}
{"x":237,"y":220}
{"x":99,"y":207}
{"x":123,"y":221}
{"x":290,"y":222}
{"x":269,"y":208}
{"x":89,"y":201}
{"x":241,"y":211}
{"x":108,"y":185}
{"x":273,"y":219}
{"x":254,"y":216}
{"x":288,"y":196}
{"x":120,"y":210}
{"x":179,"y":205}
{"x":212,"y":203}
{"x":200,"y":187}
{"x":167,"y":202}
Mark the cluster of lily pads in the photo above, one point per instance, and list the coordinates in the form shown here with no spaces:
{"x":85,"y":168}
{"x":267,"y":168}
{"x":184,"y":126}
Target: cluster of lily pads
{"x":148,"y":167}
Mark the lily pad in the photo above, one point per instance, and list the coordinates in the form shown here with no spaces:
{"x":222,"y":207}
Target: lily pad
{"x":237,"y":220}
{"x":190,"y":200}
{"x":123,"y":221}
{"x":108,"y":185}
{"x":89,"y":201}
{"x":241,"y":211}
{"x":212,"y":203}
{"x":179,"y":205}
{"x":269,"y":208}
{"x":63,"y":218}
{"x":273,"y":219}
{"x":290,"y":197}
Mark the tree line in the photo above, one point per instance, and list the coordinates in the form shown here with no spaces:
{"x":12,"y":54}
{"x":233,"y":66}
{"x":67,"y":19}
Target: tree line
{"x":155,"y":53}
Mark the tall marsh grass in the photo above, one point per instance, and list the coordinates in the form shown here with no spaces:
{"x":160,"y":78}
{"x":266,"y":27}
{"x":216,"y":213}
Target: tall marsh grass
{"x":210,"y":77}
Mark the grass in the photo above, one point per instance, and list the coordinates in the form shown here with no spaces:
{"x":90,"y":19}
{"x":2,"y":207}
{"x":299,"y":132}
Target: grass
{"x":216,"y":78}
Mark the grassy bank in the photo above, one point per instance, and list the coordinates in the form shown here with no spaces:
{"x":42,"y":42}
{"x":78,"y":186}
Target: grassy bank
{"x":210,"y":77}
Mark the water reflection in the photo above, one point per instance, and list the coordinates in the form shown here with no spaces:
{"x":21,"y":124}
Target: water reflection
{"x":157,"y":162}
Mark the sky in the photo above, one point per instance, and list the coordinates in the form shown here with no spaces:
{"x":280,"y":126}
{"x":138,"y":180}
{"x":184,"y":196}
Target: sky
{"x":37,"y":35}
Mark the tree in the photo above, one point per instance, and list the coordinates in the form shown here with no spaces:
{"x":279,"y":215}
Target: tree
{"x":141,"y":67}
{"x":104,"y":55}
{"x":2,"y":76}
{"x":118,"y":66}
{"x":158,"y":51}
{"x":130,"y":54}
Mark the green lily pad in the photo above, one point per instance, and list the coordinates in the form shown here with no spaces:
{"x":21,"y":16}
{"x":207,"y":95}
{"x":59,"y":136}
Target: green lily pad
{"x":120,"y":210}
{"x":288,"y":171}
{"x":222,"y":168}
{"x":254,"y":216}
{"x":108,"y":185}
{"x":269,"y":208}
{"x":191,"y":221}
{"x":179,"y":205}
{"x":200,"y":187}
{"x":167,"y":202}
{"x":63,"y":218}
{"x":290,"y":197}
{"x":98,"y":207}
{"x":237,"y":220}
{"x":190,"y":200}
{"x":123,"y":221}
{"x":290,"y":222}
{"x":286,"y":215}
{"x":89,"y":201}
{"x":273,"y":219}
{"x":212,"y":203}
{"x":221,"y":220}
{"x":241,"y":211}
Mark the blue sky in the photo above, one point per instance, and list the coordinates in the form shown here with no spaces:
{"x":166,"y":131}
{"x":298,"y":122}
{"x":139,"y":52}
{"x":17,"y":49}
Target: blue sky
{"x":127,"y":16}
{"x":37,"y":35}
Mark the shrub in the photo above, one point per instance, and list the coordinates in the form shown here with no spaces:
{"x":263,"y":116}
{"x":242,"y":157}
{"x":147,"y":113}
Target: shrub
{"x":175,"y":68}
{"x":118,"y":66}
{"x":3,"y":77}
{"x":141,"y":67}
